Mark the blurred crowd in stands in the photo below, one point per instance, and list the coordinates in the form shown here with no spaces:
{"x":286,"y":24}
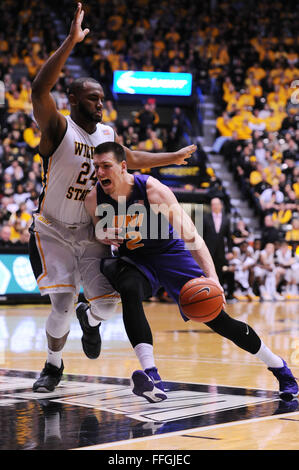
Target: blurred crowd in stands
{"x":244,"y":54}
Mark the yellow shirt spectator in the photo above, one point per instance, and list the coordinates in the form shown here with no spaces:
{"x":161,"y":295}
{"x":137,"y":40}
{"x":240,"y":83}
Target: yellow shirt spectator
{"x":31,"y":137}
{"x":291,"y":73}
{"x":223,"y":56}
{"x":258,"y":72}
{"x":244,"y":132}
{"x":292,"y":235}
{"x":255,"y":89}
{"x":152,"y":143}
{"x":292,"y":56}
{"x":14,"y":235}
{"x":159,"y":47}
{"x":119,"y":44}
{"x":3,"y":45}
{"x":245,"y":100}
{"x":173,"y":35}
{"x":273,"y":123}
{"x":237,"y":121}
{"x":109,"y":115}
{"x":272,"y":172}
{"x":114,"y":61}
{"x":255,"y":177}
{"x":115,"y":22}
{"x":232,"y":103}
{"x":282,"y":216}
{"x":229,"y":93}
{"x":296,"y":189}
{"x":224,"y":126}
{"x":15,"y":103}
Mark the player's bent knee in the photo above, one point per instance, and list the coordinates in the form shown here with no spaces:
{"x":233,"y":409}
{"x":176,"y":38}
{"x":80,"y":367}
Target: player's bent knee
{"x":105,"y":308}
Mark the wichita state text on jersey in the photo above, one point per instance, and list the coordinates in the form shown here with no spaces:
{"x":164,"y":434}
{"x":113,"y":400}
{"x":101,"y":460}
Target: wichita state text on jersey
{"x":69,"y":173}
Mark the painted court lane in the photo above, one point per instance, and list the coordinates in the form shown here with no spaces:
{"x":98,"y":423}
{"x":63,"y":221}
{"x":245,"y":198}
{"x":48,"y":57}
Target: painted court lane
{"x":85,"y":410}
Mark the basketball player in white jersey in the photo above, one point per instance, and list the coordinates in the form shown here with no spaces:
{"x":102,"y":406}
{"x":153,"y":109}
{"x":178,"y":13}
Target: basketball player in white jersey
{"x":63,"y":250}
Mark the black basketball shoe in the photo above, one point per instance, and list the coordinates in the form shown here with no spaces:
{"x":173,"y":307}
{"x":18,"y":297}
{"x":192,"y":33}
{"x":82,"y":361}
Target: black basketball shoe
{"x":91,"y":339}
{"x":49,"y":377}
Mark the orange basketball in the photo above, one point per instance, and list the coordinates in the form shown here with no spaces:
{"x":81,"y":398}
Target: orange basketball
{"x":201,"y":299}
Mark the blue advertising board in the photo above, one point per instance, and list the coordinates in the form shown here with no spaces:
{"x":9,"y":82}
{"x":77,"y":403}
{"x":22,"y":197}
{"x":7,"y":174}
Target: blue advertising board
{"x":16,"y":275}
{"x":152,"y":83}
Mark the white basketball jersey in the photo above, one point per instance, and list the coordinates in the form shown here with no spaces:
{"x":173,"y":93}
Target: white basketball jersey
{"x":69,"y":174}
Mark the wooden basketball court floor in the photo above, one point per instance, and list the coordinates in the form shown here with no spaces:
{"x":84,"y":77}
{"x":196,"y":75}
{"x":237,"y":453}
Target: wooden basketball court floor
{"x":219,"y":397}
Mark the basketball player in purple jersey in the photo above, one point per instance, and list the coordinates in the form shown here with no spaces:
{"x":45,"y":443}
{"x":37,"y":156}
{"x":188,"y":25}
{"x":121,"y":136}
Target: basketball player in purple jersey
{"x":64,"y":253}
{"x":121,"y":200}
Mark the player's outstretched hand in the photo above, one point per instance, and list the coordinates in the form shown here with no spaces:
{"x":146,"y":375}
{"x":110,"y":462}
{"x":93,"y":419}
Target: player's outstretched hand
{"x":183,"y":154}
{"x":76,"y":32}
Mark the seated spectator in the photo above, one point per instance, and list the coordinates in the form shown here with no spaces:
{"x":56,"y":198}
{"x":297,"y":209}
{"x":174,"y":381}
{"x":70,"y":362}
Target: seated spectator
{"x":15,"y":102}
{"x":61,"y":99}
{"x":293,"y":234}
{"x":291,"y":153}
{"x":270,"y":232}
{"x":32,"y":136}
{"x":109,"y":114}
{"x":260,"y":153}
{"x":258,"y":179}
{"x":225,"y":129}
{"x":22,"y":216}
{"x":255,"y":122}
{"x":266,"y":274}
{"x":23,"y":239}
{"x":152,"y":143}
{"x":147,"y":118}
{"x":271,"y":198}
{"x":7,"y":186}
{"x":174,"y":135}
{"x":15,"y":170}
{"x":289,"y":269}
{"x":241,"y":233}
{"x":5,"y":237}
{"x":32,"y":202}
{"x":241,"y":263}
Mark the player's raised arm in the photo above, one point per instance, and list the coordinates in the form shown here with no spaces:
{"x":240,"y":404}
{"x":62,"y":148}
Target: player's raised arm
{"x":52,"y":123}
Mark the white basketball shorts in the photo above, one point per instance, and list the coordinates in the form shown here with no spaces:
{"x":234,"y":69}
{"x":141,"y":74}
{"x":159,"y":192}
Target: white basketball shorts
{"x":63,"y":257}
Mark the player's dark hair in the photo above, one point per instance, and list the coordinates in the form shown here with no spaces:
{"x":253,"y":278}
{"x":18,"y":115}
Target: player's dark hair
{"x":78,"y":84}
{"x":117,"y":150}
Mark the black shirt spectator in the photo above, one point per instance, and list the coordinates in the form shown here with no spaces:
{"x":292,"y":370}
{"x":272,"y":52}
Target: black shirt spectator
{"x":270,"y":233}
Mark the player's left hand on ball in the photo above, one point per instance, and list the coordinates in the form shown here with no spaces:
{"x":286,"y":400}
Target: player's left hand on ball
{"x":184,"y":154}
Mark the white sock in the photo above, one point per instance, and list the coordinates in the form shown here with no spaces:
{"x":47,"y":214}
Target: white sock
{"x":91,"y":319}
{"x":54,"y":358}
{"x":268,"y":357}
{"x":145,"y":355}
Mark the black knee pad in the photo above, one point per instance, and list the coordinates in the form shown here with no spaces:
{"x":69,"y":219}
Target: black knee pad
{"x":111,"y":268}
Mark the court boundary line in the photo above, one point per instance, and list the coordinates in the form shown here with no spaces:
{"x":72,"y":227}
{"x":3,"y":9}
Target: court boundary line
{"x":165,"y":380}
{"x":179,"y":433}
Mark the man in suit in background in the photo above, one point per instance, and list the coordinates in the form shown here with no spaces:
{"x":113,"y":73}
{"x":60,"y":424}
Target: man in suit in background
{"x":217,"y":235}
